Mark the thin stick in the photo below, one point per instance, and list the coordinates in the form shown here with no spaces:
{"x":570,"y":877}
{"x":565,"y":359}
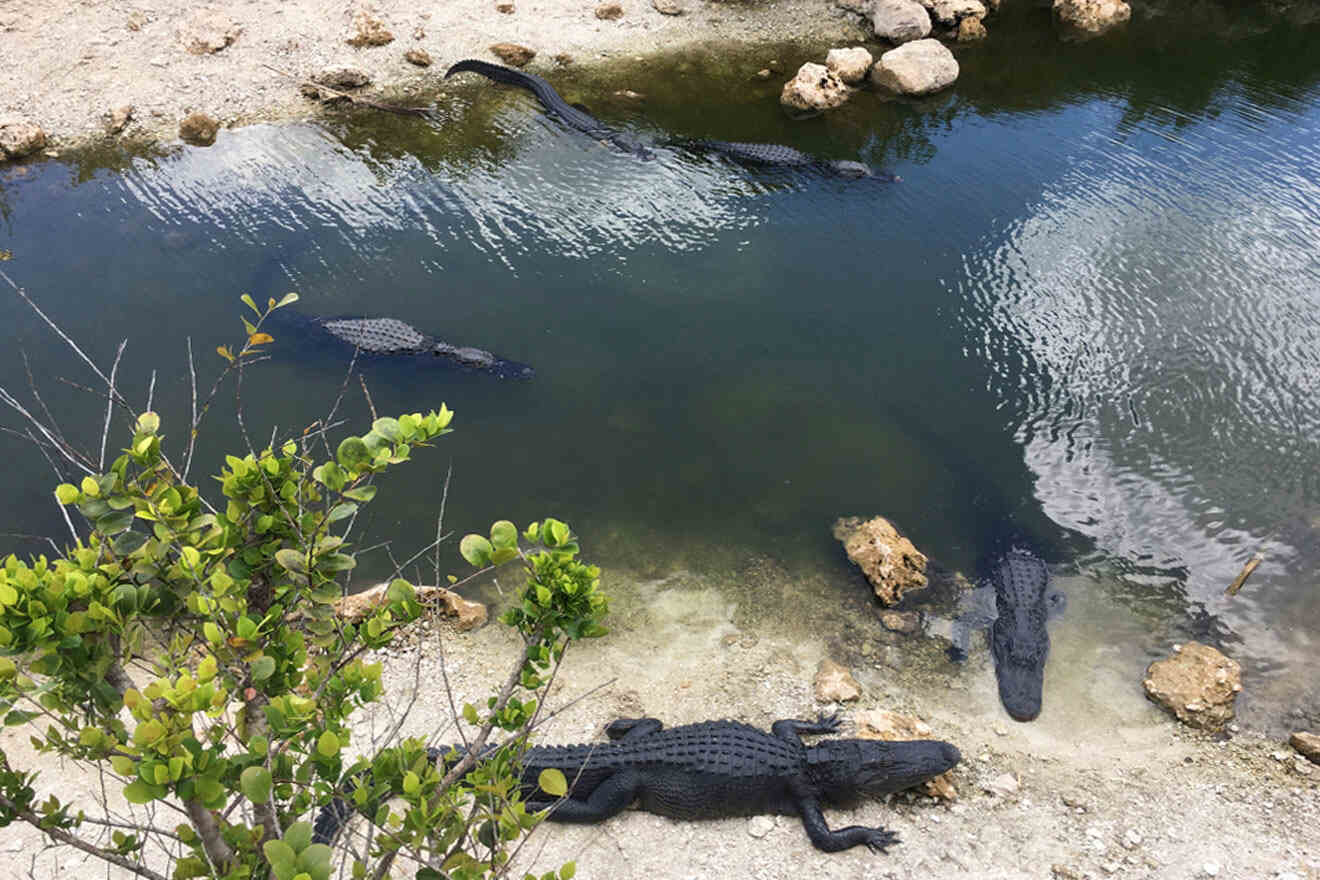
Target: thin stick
{"x":1255,"y":560}
{"x":192,"y":433}
{"x":110,"y":404}
{"x":151,"y":390}
{"x":367,"y":394}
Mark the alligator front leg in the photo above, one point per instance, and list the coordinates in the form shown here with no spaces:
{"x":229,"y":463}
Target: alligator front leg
{"x":844,"y":838}
{"x":609,"y":798}
{"x":790,"y":729}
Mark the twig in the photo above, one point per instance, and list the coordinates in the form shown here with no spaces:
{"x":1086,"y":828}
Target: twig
{"x":367,"y":394}
{"x":192,"y":433}
{"x":1255,"y":560}
{"x":63,"y":510}
{"x":423,"y":112}
{"x":78,"y":843}
{"x":151,"y":390}
{"x":110,"y":403}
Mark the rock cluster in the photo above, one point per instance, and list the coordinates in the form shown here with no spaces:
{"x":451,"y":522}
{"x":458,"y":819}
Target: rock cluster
{"x":440,"y":600}
{"x":199,"y":129}
{"x":893,"y":727}
{"x":901,"y":21}
{"x":890,"y":561}
{"x":1197,"y":684}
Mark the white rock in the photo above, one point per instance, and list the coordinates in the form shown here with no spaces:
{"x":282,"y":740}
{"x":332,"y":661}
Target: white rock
{"x":850,"y":65}
{"x":1003,"y":785}
{"x":814,"y":88}
{"x":899,"y":21}
{"x":760,"y":826}
{"x":1211,"y":869}
{"x":950,"y":12}
{"x":1084,"y":19}
{"x":917,"y":68}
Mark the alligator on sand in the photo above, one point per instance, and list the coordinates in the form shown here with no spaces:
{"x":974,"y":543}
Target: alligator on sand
{"x":718,"y":768}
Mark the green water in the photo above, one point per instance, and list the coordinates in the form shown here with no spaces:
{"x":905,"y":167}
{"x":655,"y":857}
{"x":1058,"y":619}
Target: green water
{"x":1088,"y":314}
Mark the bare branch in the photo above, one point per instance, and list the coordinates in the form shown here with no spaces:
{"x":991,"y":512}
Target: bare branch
{"x":151,"y":390}
{"x":110,"y":403}
{"x":192,"y":432}
{"x":78,"y":843}
{"x":367,"y":394}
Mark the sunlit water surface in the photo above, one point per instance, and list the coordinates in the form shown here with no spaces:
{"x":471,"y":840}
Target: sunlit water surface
{"x":1088,"y":314}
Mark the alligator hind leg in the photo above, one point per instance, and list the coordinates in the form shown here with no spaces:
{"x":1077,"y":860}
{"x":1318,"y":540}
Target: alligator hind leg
{"x":790,"y":729}
{"x":878,"y":839}
{"x":632,"y":728}
{"x":608,"y":799}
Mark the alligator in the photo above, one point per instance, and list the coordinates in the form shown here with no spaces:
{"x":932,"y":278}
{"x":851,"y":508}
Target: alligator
{"x":390,"y":336}
{"x":714,"y":769}
{"x":780,"y":156}
{"x":554,"y":104}
{"x":1019,"y":640}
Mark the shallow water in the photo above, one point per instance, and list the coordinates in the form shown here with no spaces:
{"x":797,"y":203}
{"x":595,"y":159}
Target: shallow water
{"x":1088,"y":313}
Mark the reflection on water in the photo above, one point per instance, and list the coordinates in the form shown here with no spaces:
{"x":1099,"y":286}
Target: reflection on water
{"x":1090,"y":311}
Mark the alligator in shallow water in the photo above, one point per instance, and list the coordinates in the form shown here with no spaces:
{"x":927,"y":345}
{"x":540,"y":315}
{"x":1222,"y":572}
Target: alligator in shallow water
{"x":1018,"y":586}
{"x":780,"y":156}
{"x":719,"y":768}
{"x":390,"y":336}
{"x":554,"y":104}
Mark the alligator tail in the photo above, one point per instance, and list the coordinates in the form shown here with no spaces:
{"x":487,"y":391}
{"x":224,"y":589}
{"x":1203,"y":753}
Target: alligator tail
{"x":546,"y":94}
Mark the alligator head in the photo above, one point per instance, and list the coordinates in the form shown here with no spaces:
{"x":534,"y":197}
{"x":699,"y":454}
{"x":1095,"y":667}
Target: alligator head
{"x":848,"y":168}
{"x":845,"y":767}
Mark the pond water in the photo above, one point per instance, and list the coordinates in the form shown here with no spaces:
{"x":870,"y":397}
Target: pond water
{"x":1089,"y":312}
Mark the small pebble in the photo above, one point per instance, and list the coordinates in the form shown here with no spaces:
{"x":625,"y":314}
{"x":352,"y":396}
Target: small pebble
{"x":1132,"y":839}
{"x":1211,"y":869}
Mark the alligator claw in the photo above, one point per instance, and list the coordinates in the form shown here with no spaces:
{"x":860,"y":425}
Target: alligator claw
{"x":830,"y":723}
{"x":881,"y":839}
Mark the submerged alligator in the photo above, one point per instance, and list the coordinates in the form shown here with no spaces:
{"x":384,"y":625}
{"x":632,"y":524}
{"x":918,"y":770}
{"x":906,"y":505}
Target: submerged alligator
{"x":1019,"y":640}
{"x":554,"y":104}
{"x":776,"y":155}
{"x":780,"y":156}
{"x":390,"y":336}
{"x":718,"y":768}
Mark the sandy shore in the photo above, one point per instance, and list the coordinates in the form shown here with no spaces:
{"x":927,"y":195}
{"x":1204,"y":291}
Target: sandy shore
{"x":68,"y":64}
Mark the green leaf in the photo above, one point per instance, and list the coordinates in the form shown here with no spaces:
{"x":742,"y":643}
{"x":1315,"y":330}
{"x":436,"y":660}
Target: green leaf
{"x":387,"y":428}
{"x":129,"y":543}
{"x":138,"y":792}
{"x":341,"y":511}
{"x":148,"y":423}
{"x":353,"y":453}
{"x":299,"y":836}
{"x":263,"y":668}
{"x":66,"y":493}
{"x":283,"y":860}
{"x":255,"y":783}
{"x":287,"y":300}
{"x":247,"y":300}
{"x":212,"y":632}
{"x":552,"y":782}
{"x":361,"y":493}
{"x":293,"y":560}
{"x":411,"y":782}
{"x":8,"y":595}
{"x":504,"y":534}
{"x":315,"y":860}
{"x":18,"y":716}
{"x":114,"y":523}
{"x":475,"y":549}
{"x":568,"y":871}
{"x":327,"y":745}
{"x":400,"y":591}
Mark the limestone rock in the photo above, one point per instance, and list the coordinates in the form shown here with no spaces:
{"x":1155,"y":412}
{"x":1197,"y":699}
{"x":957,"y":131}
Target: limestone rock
{"x":850,"y":65}
{"x":1197,"y":684}
{"x":342,"y":78}
{"x":1084,"y":19}
{"x":949,"y":12}
{"x":1003,"y":785}
{"x":890,"y":561}
{"x":513,"y":54}
{"x":206,"y":32}
{"x":368,"y":30}
{"x":905,"y":622}
{"x":609,"y":11}
{"x":971,"y":29}
{"x":668,"y":7}
{"x":441,"y":600}
{"x":199,"y":129}
{"x":899,"y":21}
{"x":420,"y":57}
{"x":893,"y":727}
{"x":117,"y":119}
{"x":21,"y":138}
{"x":815,"y":88}
{"x":1308,"y":744}
{"x":835,"y":684}
{"x":917,"y":68}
